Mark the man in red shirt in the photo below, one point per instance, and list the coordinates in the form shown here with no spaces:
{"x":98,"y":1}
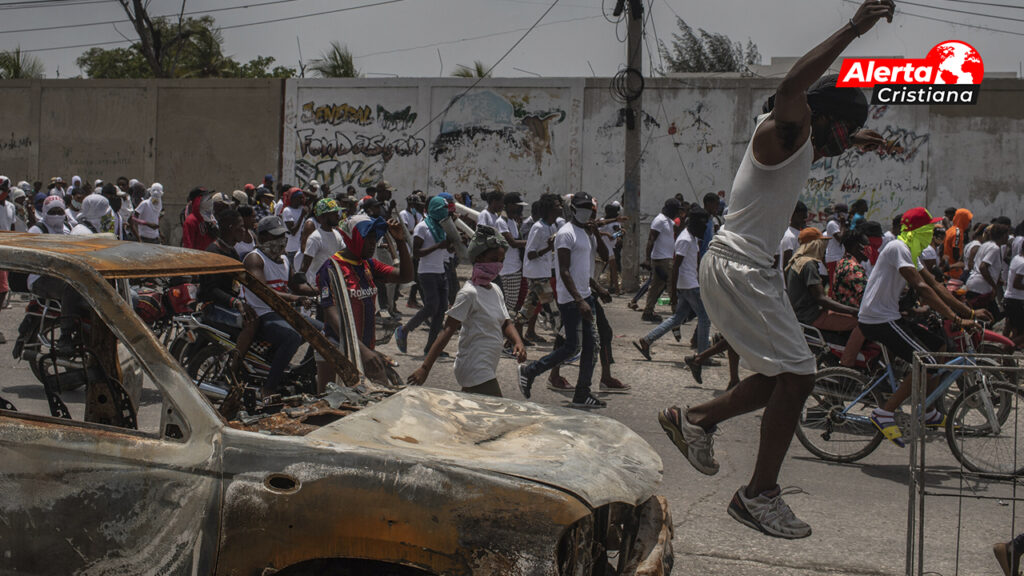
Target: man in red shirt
{"x":361,"y":274}
{"x":196,"y":232}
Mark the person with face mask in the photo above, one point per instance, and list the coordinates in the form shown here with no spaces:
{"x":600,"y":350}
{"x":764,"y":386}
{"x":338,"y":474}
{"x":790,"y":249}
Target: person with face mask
{"x":268,"y":265}
{"x":432,"y":244}
{"x":480,"y":318}
{"x":361,"y":273}
{"x":897,"y":267}
{"x":95,"y":209}
{"x":146,"y":218}
{"x":54,"y":220}
{"x":575,"y":290}
{"x":659,"y":255}
{"x":807,"y":118}
{"x":195,"y":232}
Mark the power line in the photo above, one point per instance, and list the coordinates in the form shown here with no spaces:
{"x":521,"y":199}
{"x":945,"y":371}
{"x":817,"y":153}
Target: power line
{"x":996,"y":4}
{"x":968,"y":12}
{"x":488,"y":73}
{"x":470,"y":38}
{"x":113,"y":42}
{"x":121,"y":20}
{"x":923,"y":17}
{"x":49,"y":4}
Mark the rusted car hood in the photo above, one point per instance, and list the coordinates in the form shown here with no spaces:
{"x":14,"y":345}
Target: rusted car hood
{"x":595,"y":458}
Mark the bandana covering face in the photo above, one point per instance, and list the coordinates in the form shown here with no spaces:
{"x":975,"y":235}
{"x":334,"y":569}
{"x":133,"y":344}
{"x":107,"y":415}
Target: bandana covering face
{"x":94,"y":208}
{"x":833,"y":140}
{"x":917,"y":240}
{"x":485,"y":272}
{"x":437,"y":213}
{"x":355,"y":236}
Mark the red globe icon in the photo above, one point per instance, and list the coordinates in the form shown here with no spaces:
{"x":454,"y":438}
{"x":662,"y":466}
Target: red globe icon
{"x":956,"y":62}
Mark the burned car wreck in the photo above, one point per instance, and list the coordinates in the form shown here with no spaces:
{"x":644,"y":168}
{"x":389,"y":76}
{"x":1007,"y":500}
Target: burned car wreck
{"x":141,"y":474}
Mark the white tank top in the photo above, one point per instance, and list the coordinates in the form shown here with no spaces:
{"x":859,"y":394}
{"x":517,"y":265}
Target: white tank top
{"x":276,"y":274}
{"x":762,"y":201}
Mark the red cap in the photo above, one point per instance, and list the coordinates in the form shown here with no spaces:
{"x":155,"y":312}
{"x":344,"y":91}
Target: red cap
{"x":249,"y":187}
{"x":916,"y":218}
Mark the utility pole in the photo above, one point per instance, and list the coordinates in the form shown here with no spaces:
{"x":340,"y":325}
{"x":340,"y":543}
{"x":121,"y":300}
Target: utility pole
{"x":634,"y":81}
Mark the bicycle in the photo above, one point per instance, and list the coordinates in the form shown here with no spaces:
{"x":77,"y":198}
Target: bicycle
{"x":834,"y":424}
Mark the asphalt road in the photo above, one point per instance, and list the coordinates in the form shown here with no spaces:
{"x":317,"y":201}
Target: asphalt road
{"x":858,"y":512}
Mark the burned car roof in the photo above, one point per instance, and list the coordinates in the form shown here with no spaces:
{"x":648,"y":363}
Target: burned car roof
{"x":114,"y":258}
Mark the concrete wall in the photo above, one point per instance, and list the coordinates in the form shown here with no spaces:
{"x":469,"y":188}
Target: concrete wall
{"x":182,"y":133}
{"x":530,"y":135}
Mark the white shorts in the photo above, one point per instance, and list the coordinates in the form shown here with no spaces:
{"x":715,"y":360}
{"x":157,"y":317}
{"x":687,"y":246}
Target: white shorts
{"x":749,"y":306}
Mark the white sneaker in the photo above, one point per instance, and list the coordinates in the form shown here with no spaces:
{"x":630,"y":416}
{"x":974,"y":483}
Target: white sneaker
{"x":768,"y":513}
{"x":697,"y":445}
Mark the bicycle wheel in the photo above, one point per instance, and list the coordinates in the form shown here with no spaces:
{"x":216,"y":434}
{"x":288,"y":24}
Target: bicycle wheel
{"x":831,"y":426}
{"x":971,"y":429}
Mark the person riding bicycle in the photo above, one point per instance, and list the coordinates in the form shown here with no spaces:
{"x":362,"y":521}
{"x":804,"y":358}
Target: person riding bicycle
{"x":898,"y":266}
{"x":809,"y":296}
{"x":268,"y":265}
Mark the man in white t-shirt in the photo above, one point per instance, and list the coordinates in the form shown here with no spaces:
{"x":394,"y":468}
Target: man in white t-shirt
{"x":537,"y":265}
{"x":930,"y":256}
{"x":836,"y":226}
{"x":880,"y":319}
{"x":293,"y":216}
{"x":323,"y":242}
{"x":489,"y":215}
{"x":512,"y":268}
{"x":411,"y":217}
{"x":481,"y":320}
{"x":1013,"y":299}
{"x":7,"y":222}
{"x":684,"y":286}
{"x":791,"y":240}
{"x":146,"y":218}
{"x":987,"y":269}
{"x":659,"y":254}
{"x":432,"y":245}
{"x":575,"y":289}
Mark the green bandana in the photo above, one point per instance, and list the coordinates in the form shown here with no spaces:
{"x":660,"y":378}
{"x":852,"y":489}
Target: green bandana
{"x":917,"y":240}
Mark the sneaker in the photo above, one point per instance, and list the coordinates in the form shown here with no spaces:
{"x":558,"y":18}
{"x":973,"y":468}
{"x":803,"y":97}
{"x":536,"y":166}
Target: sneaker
{"x":697,"y":445}
{"x":769,"y":513}
{"x":1008,"y":557}
{"x":935,"y":420}
{"x":614,"y":386}
{"x":537,"y":338}
{"x":677,"y":334}
{"x":413,"y":305}
{"x":508,"y":353}
{"x":590,"y":401}
{"x":889,"y":428}
{"x":695,"y":368}
{"x":3,"y":339}
{"x":651,"y":318}
{"x":401,"y":339}
{"x":632,"y":305}
{"x":525,"y":381}
{"x":643,"y":347}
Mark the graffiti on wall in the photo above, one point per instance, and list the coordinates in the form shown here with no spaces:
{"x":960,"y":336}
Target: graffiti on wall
{"x":892,"y":178}
{"x":502,"y":127}
{"x":15,"y":142}
{"x":345,"y":144}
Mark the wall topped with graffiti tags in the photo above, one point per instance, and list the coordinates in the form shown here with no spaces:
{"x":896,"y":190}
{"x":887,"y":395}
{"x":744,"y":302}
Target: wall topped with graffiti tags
{"x":433,"y":135}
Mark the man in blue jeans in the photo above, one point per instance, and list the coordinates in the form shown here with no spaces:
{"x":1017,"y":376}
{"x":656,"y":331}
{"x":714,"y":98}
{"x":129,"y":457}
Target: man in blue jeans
{"x":683,"y":286}
{"x":575,"y":290}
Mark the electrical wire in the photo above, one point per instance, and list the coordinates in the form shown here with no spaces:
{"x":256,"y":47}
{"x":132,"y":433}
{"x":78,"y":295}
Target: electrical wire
{"x":908,"y":3}
{"x":113,"y":42}
{"x":996,"y":4}
{"x":923,"y":17}
{"x":49,"y":4}
{"x":485,"y":74}
{"x":121,"y":20}
{"x":470,"y":38}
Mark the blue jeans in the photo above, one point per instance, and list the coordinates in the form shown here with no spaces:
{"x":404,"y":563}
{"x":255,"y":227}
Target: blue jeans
{"x":580,"y":337}
{"x":435,"y":303}
{"x":284,"y":342}
{"x":687,"y":301}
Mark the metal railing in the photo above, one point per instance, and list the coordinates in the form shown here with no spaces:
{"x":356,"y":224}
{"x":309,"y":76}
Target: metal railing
{"x":1005,"y":368}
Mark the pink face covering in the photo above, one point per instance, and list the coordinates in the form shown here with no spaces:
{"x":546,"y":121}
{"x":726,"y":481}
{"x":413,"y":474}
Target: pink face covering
{"x":485,"y":272}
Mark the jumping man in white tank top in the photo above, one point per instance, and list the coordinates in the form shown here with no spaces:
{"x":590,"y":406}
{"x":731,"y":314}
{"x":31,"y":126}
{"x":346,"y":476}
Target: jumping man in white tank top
{"x":807,"y":118}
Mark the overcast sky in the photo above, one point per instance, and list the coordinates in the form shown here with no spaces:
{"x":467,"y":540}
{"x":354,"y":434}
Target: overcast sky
{"x":574,"y":39}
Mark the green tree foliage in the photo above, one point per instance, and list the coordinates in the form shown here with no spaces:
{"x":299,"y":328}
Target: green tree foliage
{"x":477,"y":70}
{"x":337,"y":62}
{"x":196,"y":52}
{"x":704,"y":51}
{"x":15,"y":64}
